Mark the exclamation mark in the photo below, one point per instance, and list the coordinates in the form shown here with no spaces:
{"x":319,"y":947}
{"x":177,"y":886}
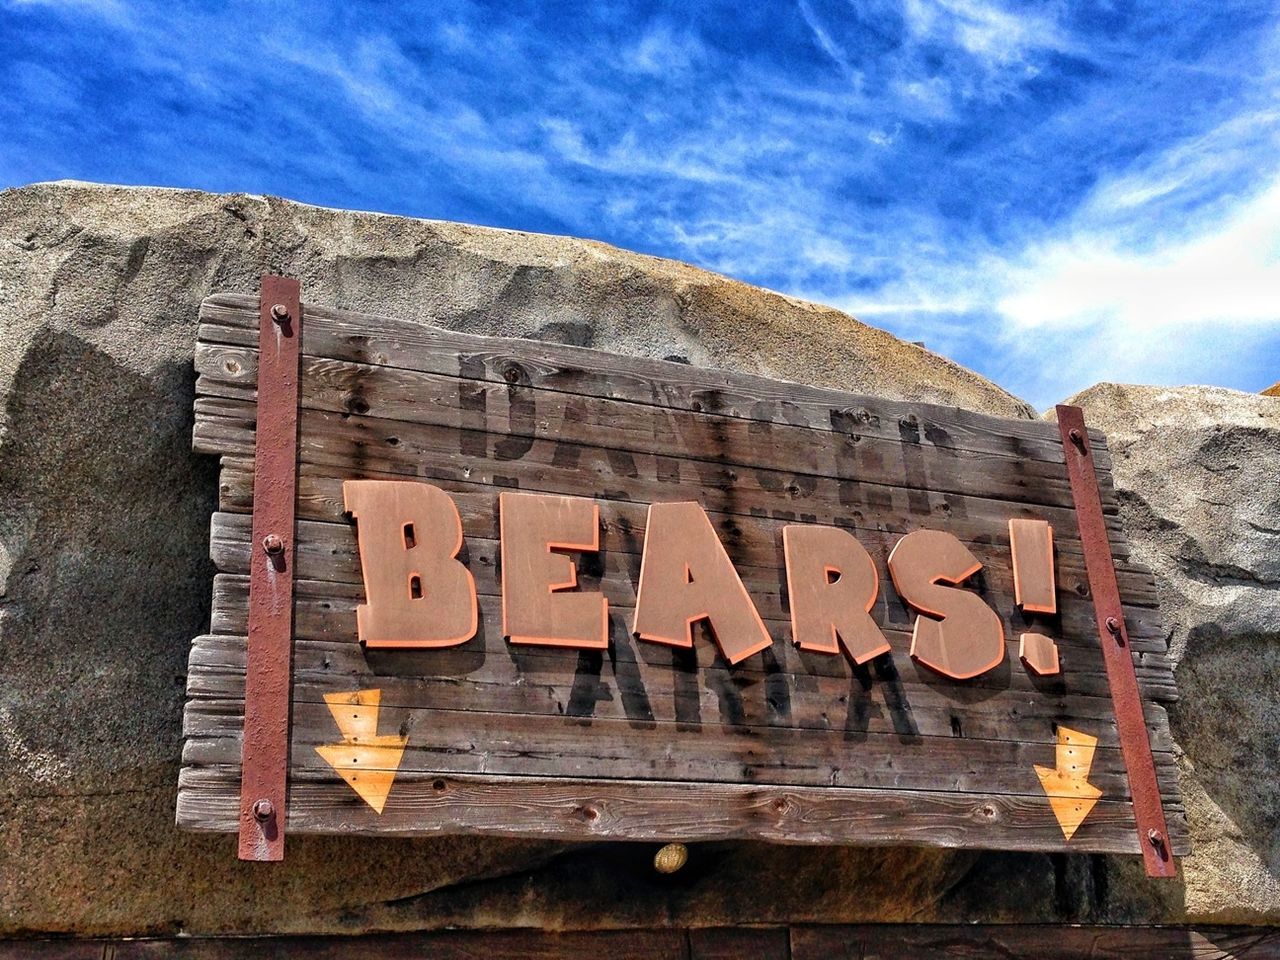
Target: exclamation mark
{"x":1035,"y":590}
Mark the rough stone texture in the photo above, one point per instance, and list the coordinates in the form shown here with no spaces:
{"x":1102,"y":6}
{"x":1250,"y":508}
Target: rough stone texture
{"x":104,"y":580}
{"x":104,"y":518}
{"x":1198,"y":471}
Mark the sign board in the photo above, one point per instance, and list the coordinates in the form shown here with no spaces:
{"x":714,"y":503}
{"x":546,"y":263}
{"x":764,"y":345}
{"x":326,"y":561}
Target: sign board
{"x":517,"y":588}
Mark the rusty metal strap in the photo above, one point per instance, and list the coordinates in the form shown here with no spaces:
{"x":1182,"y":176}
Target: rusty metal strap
{"x":264,"y":764}
{"x":1135,"y":747}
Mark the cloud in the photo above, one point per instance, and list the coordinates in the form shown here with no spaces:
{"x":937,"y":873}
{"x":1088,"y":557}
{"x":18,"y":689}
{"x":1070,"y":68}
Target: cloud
{"x":1018,"y":187}
{"x":1229,"y":274}
{"x":111,"y":10}
{"x":1200,"y":309}
{"x":827,"y":44}
{"x":662,"y":50}
{"x":1166,"y":273}
{"x":997,"y":37}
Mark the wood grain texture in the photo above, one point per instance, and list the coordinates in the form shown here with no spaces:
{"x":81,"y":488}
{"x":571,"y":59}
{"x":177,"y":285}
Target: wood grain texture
{"x":326,"y":611}
{"x":624,"y":686}
{"x":364,"y":338}
{"x":471,"y":741}
{"x":1043,"y":942}
{"x":328,"y":552}
{"x":572,"y":809}
{"x":643,"y":741}
{"x":978,"y":522}
{"x":802,"y":942}
{"x":523,"y":412}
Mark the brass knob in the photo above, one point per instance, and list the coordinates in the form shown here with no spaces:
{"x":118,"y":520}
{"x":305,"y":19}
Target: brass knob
{"x":671,"y":858}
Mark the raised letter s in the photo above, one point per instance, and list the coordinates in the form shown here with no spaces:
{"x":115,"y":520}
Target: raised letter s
{"x":967,"y":638}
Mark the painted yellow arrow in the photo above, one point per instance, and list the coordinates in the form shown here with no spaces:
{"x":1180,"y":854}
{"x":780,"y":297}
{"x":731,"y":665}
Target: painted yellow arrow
{"x":1071,"y":795}
{"x":365,"y":760}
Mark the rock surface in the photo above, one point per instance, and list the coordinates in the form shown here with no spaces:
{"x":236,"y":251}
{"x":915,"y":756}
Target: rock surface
{"x":1198,"y":473}
{"x":104,"y":519}
{"x":104,"y":580}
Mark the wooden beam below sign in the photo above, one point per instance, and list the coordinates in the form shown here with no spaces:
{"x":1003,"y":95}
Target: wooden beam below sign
{"x":579,"y":810}
{"x":627,"y":687}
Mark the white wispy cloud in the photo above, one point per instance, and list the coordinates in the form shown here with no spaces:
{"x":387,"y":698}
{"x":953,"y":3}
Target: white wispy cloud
{"x":1019,"y":187}
{"x":112,"y":10}
{"x":827,"y":44}
{"x":997,"y":36}
{"x":1167,"y":273}
{"x":1230,"y":273}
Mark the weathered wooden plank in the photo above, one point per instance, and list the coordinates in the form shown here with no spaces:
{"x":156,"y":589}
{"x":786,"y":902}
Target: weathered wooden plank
{"x":1042,"y":941}
{"x":363,"y":338}
{"x":452,"y":945}
{"x":326,"y":611}
{"x":756,"y":543}
{"x":521,"y":413}
{"x":624,"y":688}
{"x":573,"y":809}
{"x":800,"y":942}
{"x":737,"y":943}
{"x":453,"y":741}
{"x":227,"y":425}
{"x":349,"y":447}
{"x":328,"y":552}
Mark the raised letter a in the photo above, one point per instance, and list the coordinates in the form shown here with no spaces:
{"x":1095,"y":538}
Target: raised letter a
{"x":685,"y":576}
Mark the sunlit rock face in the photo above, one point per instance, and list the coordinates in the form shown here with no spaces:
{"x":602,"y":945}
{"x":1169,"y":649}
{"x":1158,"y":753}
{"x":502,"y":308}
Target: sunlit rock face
{"x":1198,"y":473}
{"x":104,"y":580}
{"x":104,"y":519}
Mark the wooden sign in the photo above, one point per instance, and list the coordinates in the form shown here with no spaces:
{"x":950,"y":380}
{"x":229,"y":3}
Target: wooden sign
{"x":544,"y":591}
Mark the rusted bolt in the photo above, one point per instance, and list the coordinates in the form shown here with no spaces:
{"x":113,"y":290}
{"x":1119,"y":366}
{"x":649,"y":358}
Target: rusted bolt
{"x":1155,"y":837}
{"x":1113,"y":627}
{"x":279,"y":313}
{"x":273,"y":545}
{"x":1076,"y":437}
{"x":262,"y":810}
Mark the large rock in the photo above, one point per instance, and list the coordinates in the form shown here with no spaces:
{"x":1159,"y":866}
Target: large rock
{"x":104,"y":576}
{"x":104,"y":579}
{"x":1198,"y":473}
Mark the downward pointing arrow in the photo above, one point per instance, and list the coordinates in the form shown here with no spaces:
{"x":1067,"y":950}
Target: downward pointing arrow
{"x":365,"y":760}
{"x":1071,"y":795}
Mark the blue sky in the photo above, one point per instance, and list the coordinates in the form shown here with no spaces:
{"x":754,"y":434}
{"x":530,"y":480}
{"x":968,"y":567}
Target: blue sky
{"x":1050,"y":194}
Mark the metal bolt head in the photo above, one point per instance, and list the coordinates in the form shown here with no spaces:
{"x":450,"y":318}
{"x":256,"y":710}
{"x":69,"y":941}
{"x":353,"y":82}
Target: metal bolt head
{"x":1076,"y":437}
{"x":1113,"y":626}
{"x":279,"y":312}
{"x":273,"y":545}
{"x":263,"y":810}
{"x":1155,"y":837}
{"x":671,"y":858}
